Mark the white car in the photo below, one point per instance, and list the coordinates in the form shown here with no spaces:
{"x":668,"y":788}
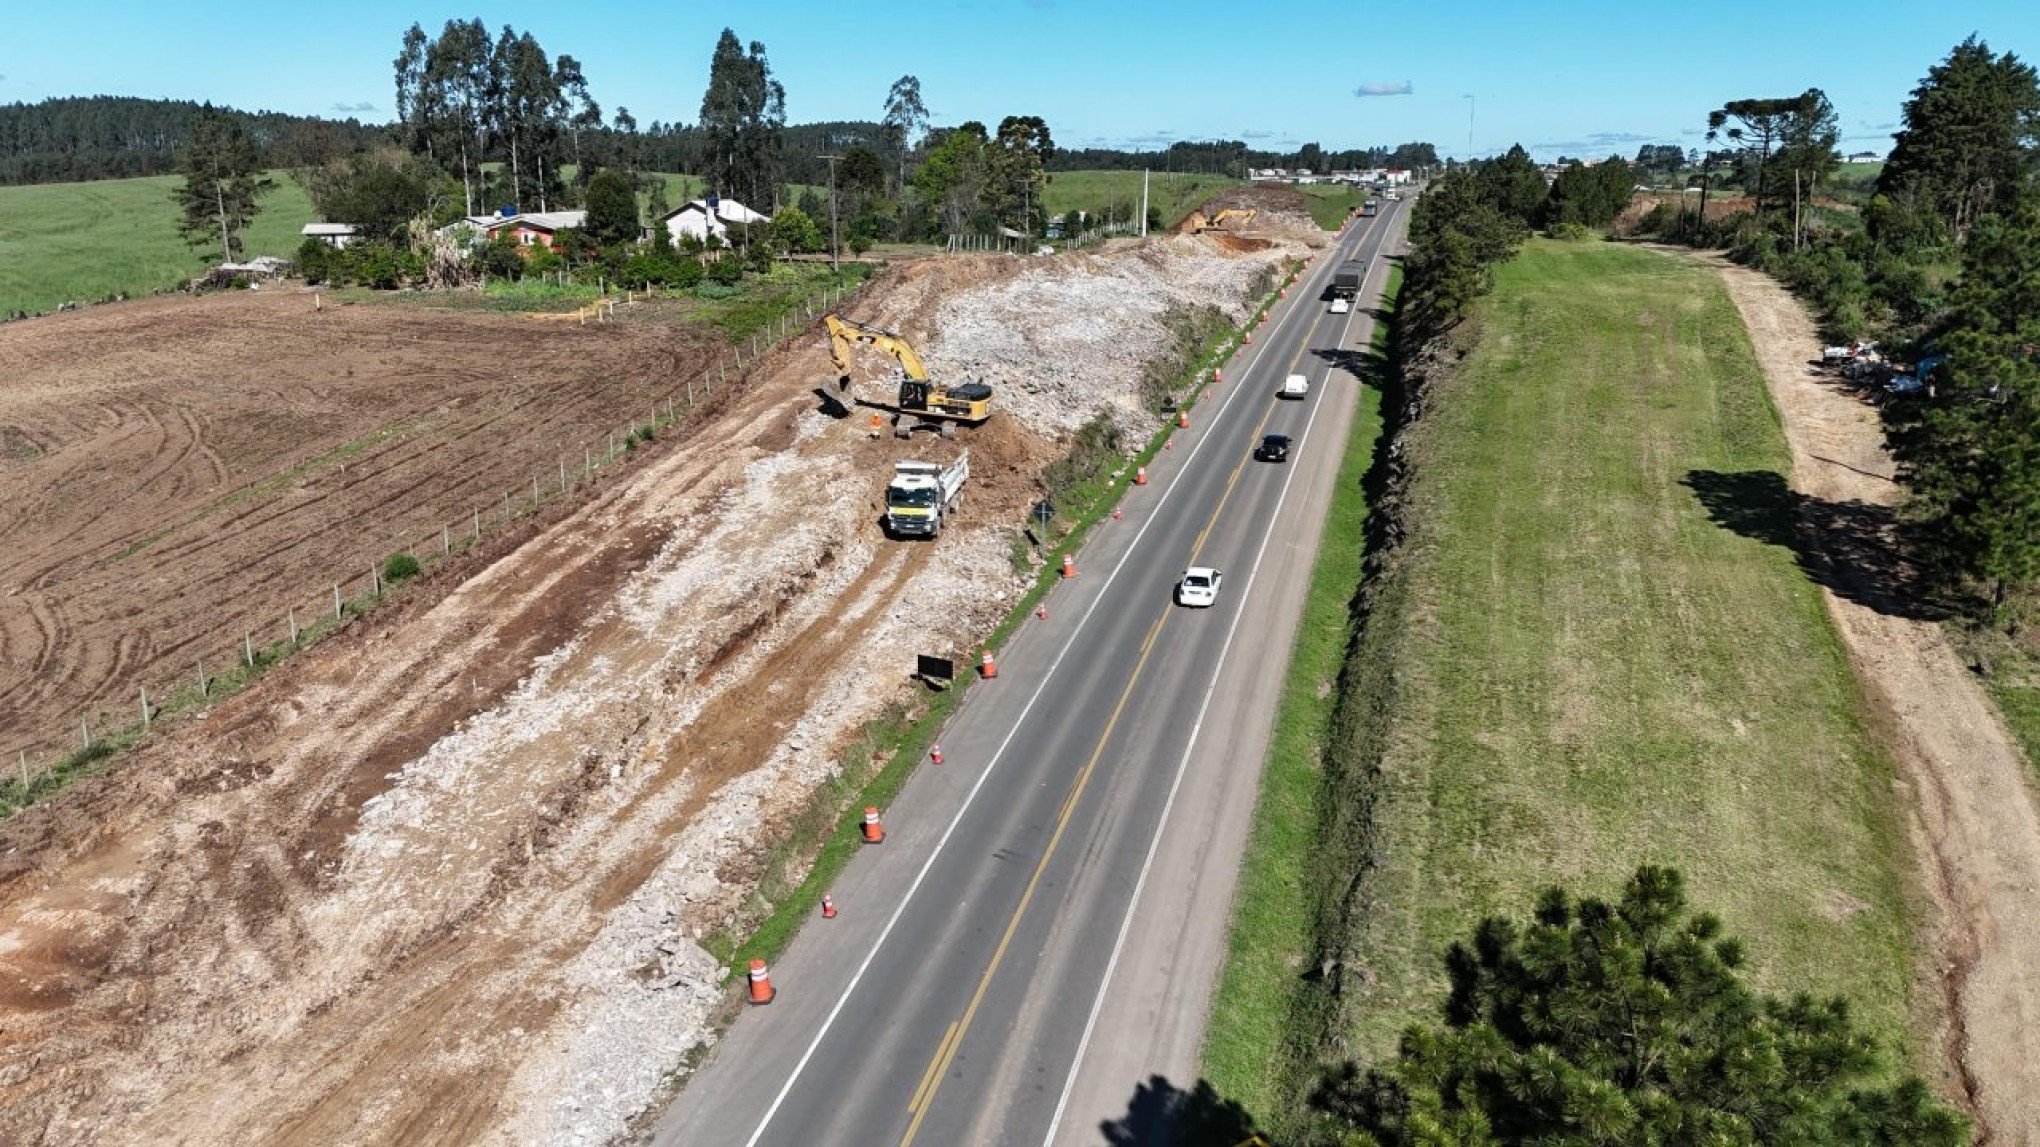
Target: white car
{"x":1198,"y":587}
{"x":1295,"y":386}
{"x":1342,"y":305}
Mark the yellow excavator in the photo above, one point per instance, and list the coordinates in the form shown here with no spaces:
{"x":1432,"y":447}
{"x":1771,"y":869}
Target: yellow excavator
{"x":919,"y":396}
{"x":1200,"y":222}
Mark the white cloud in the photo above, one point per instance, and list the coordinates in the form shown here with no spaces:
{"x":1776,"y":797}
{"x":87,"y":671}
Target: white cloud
{"x":1382,"y":88}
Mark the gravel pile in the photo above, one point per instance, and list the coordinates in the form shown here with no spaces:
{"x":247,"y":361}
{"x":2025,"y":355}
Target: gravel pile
{"x":1069,"y":337}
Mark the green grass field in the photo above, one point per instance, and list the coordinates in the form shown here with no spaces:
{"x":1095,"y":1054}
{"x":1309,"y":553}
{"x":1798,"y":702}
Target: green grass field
{"x":1174,"y":194}
{"x":1571,"y":668}
{"x":1331,"y":203}
{"x":84,"y":241}
{"x":1271,"y":906}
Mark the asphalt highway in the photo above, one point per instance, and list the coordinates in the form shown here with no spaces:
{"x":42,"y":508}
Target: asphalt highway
{"x":1030,"y":954}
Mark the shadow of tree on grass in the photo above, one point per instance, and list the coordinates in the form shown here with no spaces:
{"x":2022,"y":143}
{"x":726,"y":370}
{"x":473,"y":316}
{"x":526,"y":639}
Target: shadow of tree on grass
{"x":1848,"y":547}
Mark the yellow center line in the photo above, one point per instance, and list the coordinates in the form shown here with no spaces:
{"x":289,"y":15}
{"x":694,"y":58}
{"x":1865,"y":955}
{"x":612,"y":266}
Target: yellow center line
{"x":928,"y":1077}
{"x":945,"y":1052}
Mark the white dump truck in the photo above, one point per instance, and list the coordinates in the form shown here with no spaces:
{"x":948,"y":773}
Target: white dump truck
{"x":923,"y":494}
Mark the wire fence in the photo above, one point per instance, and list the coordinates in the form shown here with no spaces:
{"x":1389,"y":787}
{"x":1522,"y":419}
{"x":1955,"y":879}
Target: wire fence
{"x":108,"y":726}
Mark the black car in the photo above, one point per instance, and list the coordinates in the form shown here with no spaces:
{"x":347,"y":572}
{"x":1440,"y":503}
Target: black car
{"x":1273,"y":448}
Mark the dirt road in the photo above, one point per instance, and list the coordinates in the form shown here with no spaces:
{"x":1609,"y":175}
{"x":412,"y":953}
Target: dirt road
{"x":1976,"y":826}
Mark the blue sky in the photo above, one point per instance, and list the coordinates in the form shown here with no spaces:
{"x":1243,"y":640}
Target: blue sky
{"x":1579,"y":79}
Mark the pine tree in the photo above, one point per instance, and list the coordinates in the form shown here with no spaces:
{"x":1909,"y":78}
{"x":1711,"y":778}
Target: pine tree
{"x":1624,"y":1023}
{"x":1970,"y":130}
{"x":1971,"y":452}
{"x":222,"y":182}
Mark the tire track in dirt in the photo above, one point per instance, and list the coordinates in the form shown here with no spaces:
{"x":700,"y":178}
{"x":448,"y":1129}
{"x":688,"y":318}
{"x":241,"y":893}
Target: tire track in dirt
{"x":156,"y":412}
{"x":1975,"y":824}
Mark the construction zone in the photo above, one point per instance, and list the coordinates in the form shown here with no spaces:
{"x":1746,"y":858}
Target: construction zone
{"x":451,"y":874}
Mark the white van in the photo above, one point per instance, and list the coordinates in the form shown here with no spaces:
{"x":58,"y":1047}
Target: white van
{"x":1295,"y":386}
{"x":1342,"y":305}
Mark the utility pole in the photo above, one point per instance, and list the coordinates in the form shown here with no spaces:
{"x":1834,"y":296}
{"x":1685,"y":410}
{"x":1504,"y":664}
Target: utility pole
{"x":835,"y":252}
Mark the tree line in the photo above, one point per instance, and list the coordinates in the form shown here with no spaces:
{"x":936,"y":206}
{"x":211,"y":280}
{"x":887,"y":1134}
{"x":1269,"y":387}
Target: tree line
{"x":1235,"y":158}
{"x":79,"y":138}
{"x":1940,"y":265}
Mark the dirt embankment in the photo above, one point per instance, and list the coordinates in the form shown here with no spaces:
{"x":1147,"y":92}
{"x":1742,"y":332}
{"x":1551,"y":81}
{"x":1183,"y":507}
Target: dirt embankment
{"x":442,"y":879}
{"x":1976,"y":827}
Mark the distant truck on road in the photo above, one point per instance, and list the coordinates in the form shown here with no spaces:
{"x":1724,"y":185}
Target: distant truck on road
{"x":1370,"y":208}
{"x":923,"y":495}
{"x":1346,"y":279}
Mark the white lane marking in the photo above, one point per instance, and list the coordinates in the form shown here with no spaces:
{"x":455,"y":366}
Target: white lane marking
{"x":997,"y":755}
{"x":1182,"y":767}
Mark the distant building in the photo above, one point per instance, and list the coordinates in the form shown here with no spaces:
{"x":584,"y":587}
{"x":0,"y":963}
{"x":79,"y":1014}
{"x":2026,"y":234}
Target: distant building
{"x":526,"y":229}
{"x":1864,"y":157}
{"x":338,"y":236}
{"x":711,"y":216}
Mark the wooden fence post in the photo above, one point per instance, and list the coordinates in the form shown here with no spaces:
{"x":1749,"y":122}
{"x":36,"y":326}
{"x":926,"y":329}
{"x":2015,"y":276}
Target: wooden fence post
{"x":374,"y":581}
{"x":339,"y":610}
{"x":145,"y":708}
{"x":478,"y":526}
{"x":248,"y":649}
{"x":445,"y":539}
{"x":204,"y":686}
{"x":534,"y":493}
{"x":24,"y":772}
{"x":290,"y":615}
{"x":85,"y":731}
{"x":563,"y":473}
{"x":506,"y":505}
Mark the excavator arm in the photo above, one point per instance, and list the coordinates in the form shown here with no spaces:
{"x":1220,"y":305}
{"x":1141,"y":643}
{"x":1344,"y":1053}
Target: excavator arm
{"x":919,"y":395}
{"x":843,"y":334}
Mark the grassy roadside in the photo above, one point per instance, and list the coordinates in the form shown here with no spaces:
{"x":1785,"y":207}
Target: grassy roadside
{"x":1245,"y":1041}
{"x":1172,"y":194}
{"x":1331,"y":203}
{"x":1567,"y":668}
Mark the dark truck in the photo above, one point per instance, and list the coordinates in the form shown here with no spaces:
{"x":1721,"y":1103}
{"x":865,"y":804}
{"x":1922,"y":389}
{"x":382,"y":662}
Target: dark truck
{"x":1346,"y":279}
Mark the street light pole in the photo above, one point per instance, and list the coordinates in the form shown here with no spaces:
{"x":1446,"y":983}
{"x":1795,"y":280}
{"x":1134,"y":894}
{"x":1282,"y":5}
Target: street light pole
{"x":835,"y":250}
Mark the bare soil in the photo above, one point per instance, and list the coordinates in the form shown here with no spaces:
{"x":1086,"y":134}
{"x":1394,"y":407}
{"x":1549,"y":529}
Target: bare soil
{"x":442,"y":878}
{"x":178,"y":472}
{"x":1975,"y":826}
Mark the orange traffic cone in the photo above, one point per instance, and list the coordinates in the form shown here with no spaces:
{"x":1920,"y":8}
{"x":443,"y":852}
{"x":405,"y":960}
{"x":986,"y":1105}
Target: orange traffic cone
{"x":761,"y":984}
{"x":1069,"y":570}
{"x":1041,"y":611}
{"x":1140,"y":475}
{"x":988,"y":667}
{"x":1217,"y":375}
{"x":935,"y":754}
{"x":828,"y":907}
{"x":877,"y":426}
{"x":1248,"y":338}
{"x":874,"y":832}
{"x":1116,"y":515}
{"x":1182,"y":420}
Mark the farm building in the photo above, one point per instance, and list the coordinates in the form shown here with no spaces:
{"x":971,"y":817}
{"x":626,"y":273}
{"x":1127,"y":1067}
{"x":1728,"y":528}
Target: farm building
{"x":715,"y":216}
{"x":335,"y":235}
{"x":526,"y":229}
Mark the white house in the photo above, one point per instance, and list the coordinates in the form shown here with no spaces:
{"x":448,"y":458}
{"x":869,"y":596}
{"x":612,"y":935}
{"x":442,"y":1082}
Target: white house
{"x":335,"y":235}
{"x":702,"y":218}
